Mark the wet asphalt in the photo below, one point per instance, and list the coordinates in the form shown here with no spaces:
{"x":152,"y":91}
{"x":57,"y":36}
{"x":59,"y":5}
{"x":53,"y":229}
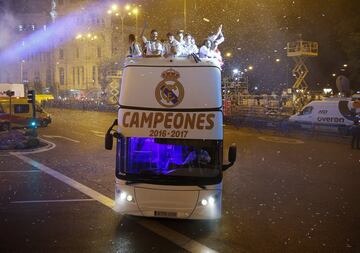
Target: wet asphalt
{"x":286,"y":193}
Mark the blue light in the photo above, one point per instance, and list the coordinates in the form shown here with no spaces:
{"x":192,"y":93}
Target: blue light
{"x":146,"y":154}
{"x":33,"y":124}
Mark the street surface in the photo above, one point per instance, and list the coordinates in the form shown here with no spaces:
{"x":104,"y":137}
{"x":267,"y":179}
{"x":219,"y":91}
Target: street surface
{"x":284,"y":194}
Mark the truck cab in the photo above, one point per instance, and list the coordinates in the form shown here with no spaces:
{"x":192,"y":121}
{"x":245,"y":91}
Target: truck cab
{"x":169,"y":132}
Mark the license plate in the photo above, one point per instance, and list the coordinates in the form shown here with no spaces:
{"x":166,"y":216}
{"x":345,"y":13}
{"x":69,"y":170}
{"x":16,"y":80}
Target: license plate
{"x":165,"y":214}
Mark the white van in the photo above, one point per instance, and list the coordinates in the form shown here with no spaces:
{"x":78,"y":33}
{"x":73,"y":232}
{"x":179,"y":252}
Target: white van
{"x":332,"y":112}
{"x":169,"y":159}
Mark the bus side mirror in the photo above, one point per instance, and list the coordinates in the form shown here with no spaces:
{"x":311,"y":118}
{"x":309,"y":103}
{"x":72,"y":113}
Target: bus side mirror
{"x":109,"y":141}
{"x":231,"y":157}
{"x":109,"y":136}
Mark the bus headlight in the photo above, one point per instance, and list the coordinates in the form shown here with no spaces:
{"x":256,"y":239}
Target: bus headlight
{"x":204,"y":202}
{"x":129,"y":198}
{"x":210,"y":201}
{"x":125,"y":196}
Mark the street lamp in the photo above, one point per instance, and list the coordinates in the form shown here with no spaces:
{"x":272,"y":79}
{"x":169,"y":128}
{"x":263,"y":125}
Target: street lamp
{"x":250,"y":67}
{"x":135,"y":11}
{"x":121,"y":12}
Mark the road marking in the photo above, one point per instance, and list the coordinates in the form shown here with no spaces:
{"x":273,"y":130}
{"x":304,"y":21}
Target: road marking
{"x":280,"y":140}
{"x":50,"y":201}
{"x":97,"y":132}
{"x":67,"y":180}
{"x":18,"y":171}
{"x":165,"y":232}
{"x":175,"y":237}
{"x":61,"y":137}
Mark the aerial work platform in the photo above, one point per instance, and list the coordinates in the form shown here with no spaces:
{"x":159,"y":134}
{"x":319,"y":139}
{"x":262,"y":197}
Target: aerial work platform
{"x":299,"y":51}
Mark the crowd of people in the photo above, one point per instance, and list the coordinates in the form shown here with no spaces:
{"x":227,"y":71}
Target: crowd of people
{"x":84,"y":105}
{"x":183,"y":45}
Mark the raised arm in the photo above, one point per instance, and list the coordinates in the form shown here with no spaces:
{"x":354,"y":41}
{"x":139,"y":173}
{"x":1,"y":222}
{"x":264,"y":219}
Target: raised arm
{"x":143,"y":32}
{"x":214,"y":37}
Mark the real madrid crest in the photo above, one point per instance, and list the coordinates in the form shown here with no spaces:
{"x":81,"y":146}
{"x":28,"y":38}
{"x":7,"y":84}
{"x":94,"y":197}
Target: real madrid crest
{"x":169,"y":92}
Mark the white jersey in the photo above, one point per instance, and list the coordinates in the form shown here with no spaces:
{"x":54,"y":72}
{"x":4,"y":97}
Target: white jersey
{"x":206,"y":52}
{"x":134,"y":50}
{"x":153,"y":47}
{"x":188,"y":49}
{"x":172,"y":48}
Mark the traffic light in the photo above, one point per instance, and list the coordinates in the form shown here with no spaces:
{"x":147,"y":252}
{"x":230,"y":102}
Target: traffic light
{"x":10,"y":93}
{"x":33,"y":123}
{"x":31,"y":96}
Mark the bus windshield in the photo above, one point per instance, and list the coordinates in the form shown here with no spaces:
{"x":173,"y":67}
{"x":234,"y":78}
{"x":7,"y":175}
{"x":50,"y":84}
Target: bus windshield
{"x":169,"y":159}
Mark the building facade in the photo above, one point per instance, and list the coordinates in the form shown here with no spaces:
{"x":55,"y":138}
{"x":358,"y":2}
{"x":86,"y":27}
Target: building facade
{"x":76,"y":63}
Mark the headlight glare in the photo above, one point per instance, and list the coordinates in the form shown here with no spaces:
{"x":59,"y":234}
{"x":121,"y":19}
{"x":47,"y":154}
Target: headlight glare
{"x":129,"y":198}
{"x":204,"y":202}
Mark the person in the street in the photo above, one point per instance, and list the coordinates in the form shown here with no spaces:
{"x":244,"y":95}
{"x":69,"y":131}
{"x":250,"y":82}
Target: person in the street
{"x":217,"y":38}
{"x":188,"y":47}
{"x":171,"y":46}
{"x":180,"y":39}
{"x":134,"y":47}
{"x":355,"y":132}
{"x":205,"y":50}
{"x":153,"y":47}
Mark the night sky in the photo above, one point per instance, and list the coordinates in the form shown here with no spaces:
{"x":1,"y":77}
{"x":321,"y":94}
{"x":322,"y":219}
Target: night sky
{"x":257,"y":31}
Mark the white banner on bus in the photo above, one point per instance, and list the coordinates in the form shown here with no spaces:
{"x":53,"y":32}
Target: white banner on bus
{"x":168,"y":124}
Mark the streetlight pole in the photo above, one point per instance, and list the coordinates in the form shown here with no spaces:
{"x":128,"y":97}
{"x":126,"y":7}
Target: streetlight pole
{"x":21,"y":71}
{"x":185,"y":16}
{"x":122,"y":35}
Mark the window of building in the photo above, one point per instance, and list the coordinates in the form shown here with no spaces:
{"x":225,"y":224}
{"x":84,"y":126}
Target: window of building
{"x":82,"y":76}
{"x":62,"y":76}
{"x":73,"y":76}
{"x":94,"y":75}
{"x":77,"y":53}
{"x":99,"y":75}
{"x":25,"y":76}
{"x":48,"y":76}
{"x":23,"y":108}
{"x":36,"y":76}
{"x":78,"y":76}
{"x":61,"y":54}
{"x":99,"y":52}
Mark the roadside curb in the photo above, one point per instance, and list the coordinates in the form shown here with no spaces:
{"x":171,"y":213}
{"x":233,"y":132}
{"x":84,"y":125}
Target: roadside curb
{"x":43,"y":144}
